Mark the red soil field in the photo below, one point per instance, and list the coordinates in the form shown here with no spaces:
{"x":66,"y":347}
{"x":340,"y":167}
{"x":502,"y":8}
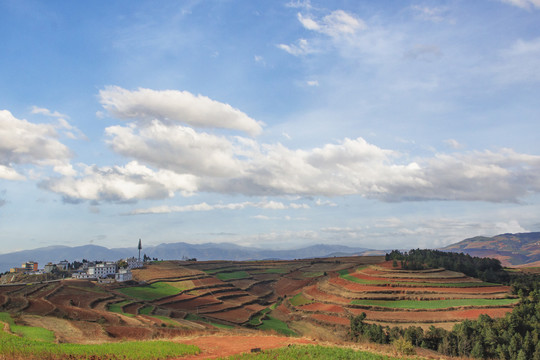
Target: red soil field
{"x":213,"y":347}
{"x":193,"y":304}
{"x":355,"y":287}
{"x":237,"y":316}
{"x":285,"y":286}
{"x":430,"y":316}
{"x":331,"y":319}
{"x":314,"y":292}
{"x":323,"y":307}
{"x":39,"y":307}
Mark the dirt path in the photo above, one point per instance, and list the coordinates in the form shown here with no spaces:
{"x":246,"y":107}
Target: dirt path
{"x":219,"y":346}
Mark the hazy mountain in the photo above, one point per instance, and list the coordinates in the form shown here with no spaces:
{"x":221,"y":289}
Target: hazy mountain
{"x":510,"y":249}
{"x":171,"y":251}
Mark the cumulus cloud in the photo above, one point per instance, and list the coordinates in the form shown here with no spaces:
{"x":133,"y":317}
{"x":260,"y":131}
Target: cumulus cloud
{"x":271,"y":205}
{"x":524,"y":4}
{"x":121,"y":184}
{"x":23,"y":142}
{"x":177,"y":148}
{"x":172,"y":106}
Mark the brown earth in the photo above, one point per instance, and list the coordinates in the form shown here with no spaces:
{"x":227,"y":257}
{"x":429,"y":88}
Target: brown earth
{"x":213,"y":347}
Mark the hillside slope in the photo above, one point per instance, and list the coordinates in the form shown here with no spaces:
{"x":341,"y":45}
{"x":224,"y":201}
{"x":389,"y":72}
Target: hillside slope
{"x":510,"y":249}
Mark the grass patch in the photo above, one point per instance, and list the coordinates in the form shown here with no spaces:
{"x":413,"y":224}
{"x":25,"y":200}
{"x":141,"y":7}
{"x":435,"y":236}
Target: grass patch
{"x":117,"y":307}
{"x":215,"y":271}
{"x":181,"y":285}
{"x":276,"y":271}
{"x":232,"y":275}
{"x":6,"y":317}
{"x":256,"y":320}
{"x":308,"y":352}
{"x":13,"y":347}
{"x":34,"y":333}
{"x":147,"y":310}
{"x":434,"y":304}
{"x":150,"y":292}
{"x":271,"y":323}
{"x":299,"y":299}
{"x":28,"y":332}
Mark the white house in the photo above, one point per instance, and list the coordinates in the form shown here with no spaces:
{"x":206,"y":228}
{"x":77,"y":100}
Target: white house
{"x":102,"y":270}
{"x":123,"y":275}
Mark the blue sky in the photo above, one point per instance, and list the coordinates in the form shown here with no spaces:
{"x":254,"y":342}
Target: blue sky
{"x":377,"y":124}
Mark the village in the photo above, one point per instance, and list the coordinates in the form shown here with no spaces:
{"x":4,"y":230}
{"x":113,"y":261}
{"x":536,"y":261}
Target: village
{"x":102,"y":271}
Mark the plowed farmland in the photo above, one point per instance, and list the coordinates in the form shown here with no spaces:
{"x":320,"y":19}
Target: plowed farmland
{"x":314,"y":297}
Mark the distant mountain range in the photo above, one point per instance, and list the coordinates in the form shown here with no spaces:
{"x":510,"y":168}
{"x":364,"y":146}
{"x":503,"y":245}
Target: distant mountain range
{"x":208,"y":251}
{"x":510,"y":249}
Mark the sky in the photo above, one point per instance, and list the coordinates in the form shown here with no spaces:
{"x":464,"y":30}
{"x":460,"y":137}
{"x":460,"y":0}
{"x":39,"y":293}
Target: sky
{"x":275,"y":124}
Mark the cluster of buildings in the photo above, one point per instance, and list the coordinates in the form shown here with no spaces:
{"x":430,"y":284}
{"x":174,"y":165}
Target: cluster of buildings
{"x":119,"y":271}
{"x":108,"y":269}
{"x":97,"y":270}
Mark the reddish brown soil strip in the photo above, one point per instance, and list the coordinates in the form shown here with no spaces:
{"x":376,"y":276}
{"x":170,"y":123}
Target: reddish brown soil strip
{"x":39,"y":307}
{"x":222,"y":346}
{"x":237,"y":316}
{"x":314,"y":292}
{"x":430,"y":316}
{"x":323,"y":307}
{"x":193,"y":304}
{"x":285,"y":286}
{"x":331,"y":319}
{"x":354,"y":287}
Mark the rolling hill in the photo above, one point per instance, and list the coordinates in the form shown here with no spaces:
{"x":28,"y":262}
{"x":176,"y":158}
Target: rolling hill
{"x":510,"y":249}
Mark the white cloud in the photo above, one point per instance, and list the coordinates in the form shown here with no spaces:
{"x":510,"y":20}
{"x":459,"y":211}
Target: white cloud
{"x":301,"y":48}
{"x":270,"y":205}
{"x":524,"y":4}
{"x":23,"y":142}
{"x":47,"y":112}
{"x":312,"y":83}
{"x":172,"y":106}
{"x":338,"y":23}
{"x":121,"y":183}
{"x":178,"y":148}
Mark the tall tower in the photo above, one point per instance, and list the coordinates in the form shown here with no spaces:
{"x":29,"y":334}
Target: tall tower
{"x":140,"y":248}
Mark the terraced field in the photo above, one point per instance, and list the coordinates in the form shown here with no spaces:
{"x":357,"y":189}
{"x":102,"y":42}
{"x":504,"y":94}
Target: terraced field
{"x":390,"y":296}
{"x":302,"y":297}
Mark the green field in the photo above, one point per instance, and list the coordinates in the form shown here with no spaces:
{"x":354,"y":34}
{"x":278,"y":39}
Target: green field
{"x":299,"y":299}
{"x":232,"y":275}
{"x":147,"y":310}
{"x":13,"y":347}
{"x":313,"y":274}
{"x":308,"y":352}
{"x":256,"y":320}
{"x":150,"y":292}
{"x":117,"y":307}
{"x":434,"y":304}
{"x":29,"y":332}
{"x":276,"y":271}
{"x":270,"y":323}
{"x":38,"y":343}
